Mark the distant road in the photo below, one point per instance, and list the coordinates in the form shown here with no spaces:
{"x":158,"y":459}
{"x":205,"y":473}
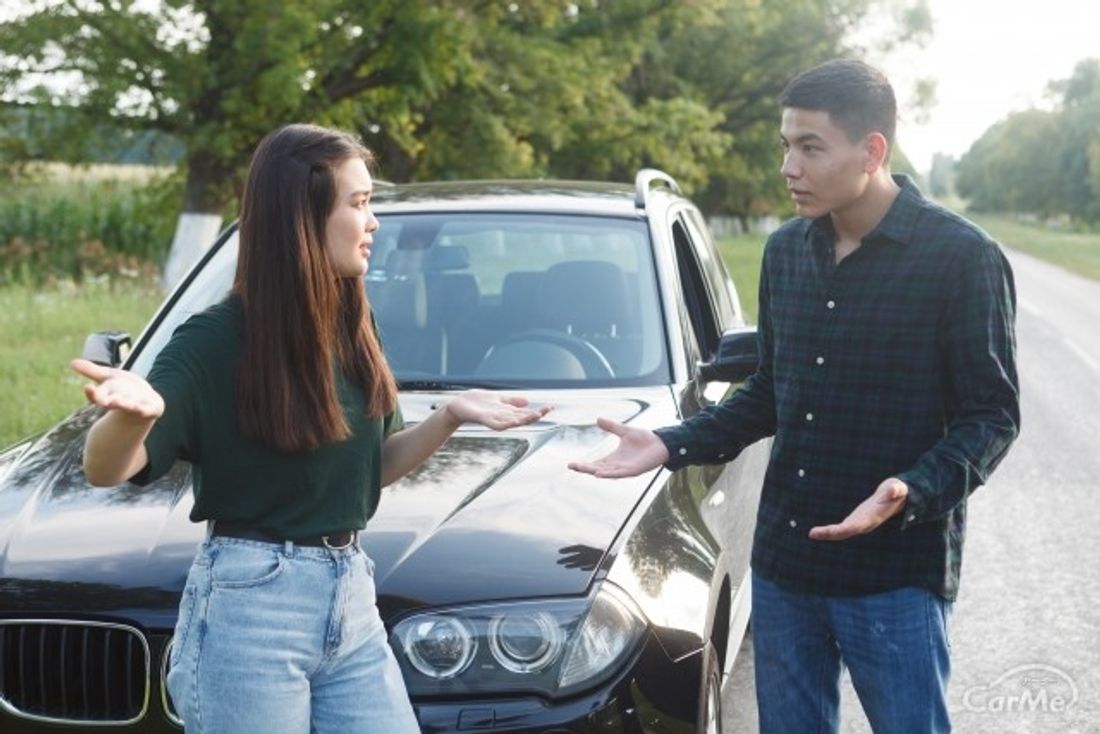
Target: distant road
{"x":1026,"y":628}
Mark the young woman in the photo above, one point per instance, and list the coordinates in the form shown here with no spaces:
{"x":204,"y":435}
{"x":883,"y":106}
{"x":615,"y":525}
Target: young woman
{"x":282,"y":400}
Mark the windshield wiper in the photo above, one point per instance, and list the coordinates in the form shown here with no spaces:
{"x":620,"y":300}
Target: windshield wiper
{"x":429,"y":385}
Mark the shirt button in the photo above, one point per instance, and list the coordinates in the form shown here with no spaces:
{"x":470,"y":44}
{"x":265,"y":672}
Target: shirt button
{"x":820,"y":360}
{"x":912,"y":518}
{"x":683,"y":452}
{"x":794,"y":524}
{"x":830,"y":304}
{"x":809,"y":416}
{"x":801,"y":472}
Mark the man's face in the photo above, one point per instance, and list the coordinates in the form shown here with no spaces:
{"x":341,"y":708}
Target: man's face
{"x":824,"y":170}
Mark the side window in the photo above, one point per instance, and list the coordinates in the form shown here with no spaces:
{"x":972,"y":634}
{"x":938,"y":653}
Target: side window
{"x":693,"y":286}
{"x":721,"y":287}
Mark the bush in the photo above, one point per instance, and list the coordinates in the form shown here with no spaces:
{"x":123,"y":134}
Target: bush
{"x":63,"y":225}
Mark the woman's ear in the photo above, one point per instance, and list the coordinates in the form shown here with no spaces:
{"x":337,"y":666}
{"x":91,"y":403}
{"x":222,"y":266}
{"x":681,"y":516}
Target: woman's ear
{"x":876,"y":150}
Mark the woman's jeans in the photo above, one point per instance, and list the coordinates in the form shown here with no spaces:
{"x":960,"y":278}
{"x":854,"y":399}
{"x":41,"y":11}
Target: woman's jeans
{"x":278,"y":638}
{"x":894,"y":644}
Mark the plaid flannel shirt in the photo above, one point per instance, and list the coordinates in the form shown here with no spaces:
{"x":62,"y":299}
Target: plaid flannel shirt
{"x":897,"y":362}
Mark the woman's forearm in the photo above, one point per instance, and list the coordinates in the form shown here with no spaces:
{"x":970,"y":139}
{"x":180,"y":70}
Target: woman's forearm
{"x":405,"y":450}
{"x":115,"y":448}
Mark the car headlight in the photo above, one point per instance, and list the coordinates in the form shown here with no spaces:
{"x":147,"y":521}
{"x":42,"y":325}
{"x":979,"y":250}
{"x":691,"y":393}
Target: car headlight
{"x":551,"y":647}
{"x":440,"y":646}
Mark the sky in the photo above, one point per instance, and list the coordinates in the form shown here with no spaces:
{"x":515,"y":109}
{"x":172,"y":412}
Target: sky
{"x":989,"y":58}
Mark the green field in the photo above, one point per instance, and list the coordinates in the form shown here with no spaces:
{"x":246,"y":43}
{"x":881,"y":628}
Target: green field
{"x":41,"y":331}
{"x":742,"y":256}
{"x":1076,"y":251}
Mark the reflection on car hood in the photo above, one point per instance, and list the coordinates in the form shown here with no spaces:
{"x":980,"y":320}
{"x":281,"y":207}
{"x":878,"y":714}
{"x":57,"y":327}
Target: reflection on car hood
{"x":489,"y":516}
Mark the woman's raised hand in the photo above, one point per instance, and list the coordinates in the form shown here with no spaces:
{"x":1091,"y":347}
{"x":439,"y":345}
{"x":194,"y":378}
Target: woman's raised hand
{"x":493,"y":410}
{"x":116,"y":389}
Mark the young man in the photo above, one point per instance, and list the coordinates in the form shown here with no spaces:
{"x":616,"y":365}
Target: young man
{"x":887,"y":376}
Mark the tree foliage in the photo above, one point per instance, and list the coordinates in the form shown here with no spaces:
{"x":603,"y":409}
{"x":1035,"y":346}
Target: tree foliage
{"x":439,"y":88}
{"x":1044,"y":162}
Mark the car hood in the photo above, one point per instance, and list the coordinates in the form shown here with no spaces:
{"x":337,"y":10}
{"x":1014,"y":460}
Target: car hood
{"x":489,"y":516}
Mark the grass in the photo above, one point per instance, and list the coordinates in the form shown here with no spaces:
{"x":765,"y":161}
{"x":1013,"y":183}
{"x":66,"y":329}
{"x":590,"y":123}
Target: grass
{"x":1076,"y":251}
{"x":742,"y":254}
{"x":41,"y":331}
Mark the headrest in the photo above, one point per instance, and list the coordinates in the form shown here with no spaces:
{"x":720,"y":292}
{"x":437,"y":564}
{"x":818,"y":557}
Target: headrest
{"x":587,"y":296}
{"x":447,"y":257}
{"x":400,"y":302}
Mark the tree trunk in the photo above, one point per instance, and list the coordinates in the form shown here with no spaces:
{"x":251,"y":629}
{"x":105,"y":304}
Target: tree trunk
{"x":205,"y":197}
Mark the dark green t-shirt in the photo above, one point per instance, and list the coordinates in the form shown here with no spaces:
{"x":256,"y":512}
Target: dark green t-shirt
{"x":294,"y":495}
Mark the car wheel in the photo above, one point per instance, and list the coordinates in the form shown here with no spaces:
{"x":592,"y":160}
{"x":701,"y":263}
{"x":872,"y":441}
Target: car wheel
{"x":710,"y":704}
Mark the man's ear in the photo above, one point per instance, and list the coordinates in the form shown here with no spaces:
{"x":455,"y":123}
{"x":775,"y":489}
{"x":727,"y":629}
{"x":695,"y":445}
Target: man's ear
{"x":876,"y":150}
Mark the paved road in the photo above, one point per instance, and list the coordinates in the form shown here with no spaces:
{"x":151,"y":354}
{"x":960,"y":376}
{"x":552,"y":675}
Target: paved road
{"x":1026,"y":628}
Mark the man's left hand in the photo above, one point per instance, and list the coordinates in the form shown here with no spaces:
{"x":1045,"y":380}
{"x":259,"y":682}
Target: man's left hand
{"x":887,"y":501}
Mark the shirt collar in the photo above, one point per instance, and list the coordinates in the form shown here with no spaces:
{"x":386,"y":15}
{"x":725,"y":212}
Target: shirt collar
{"x":900,"y":223}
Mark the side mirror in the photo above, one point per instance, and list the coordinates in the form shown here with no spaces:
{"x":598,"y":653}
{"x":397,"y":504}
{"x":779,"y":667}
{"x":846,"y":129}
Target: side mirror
{"x":108,"y":348}
{"x":736,"y":358}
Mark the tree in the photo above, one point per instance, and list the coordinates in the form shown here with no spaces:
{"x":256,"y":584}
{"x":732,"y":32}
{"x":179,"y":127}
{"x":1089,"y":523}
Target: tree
{"x":941,"y":179}
{"x":1010,"y":167}
{"x":439,"y":88}
{"x":1041,"y":161}
{"x":220,"y":74}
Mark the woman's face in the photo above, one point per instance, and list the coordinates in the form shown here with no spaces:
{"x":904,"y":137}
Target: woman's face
{"x":351,"y":224}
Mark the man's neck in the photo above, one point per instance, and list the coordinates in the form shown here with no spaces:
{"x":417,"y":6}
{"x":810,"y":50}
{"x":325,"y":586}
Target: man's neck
{"x":856,"y":220}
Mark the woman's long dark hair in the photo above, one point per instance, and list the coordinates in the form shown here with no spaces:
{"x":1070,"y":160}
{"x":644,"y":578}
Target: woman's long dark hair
{"x":302,"y":321}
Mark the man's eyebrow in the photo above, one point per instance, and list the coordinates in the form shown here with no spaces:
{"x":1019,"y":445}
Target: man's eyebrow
{"x":804,"y":138}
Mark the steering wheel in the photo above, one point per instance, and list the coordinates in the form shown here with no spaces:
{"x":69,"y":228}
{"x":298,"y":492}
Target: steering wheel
{"x":593,"y":361}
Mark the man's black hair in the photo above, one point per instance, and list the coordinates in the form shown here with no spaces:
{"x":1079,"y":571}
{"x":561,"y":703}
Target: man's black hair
{"x":857,"y":96}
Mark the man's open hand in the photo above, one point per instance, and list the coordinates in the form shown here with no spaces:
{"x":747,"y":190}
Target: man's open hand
{"x":887,"y":501}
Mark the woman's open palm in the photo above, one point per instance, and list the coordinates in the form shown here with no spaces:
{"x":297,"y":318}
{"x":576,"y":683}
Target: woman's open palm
{"x":495,"y":411}
{"x":115,"y":389}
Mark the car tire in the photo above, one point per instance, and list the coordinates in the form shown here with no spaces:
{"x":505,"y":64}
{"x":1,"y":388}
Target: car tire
{"x":710,"y":695}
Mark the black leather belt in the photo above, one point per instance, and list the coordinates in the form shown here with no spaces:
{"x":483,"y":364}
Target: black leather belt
{"x":334,"y":541}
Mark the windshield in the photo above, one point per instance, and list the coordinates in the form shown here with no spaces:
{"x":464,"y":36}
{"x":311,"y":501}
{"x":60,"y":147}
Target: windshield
{"x":536,"y":300}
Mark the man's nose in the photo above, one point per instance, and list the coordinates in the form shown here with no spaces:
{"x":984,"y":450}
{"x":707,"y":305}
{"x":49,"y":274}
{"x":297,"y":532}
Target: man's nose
{"x":789,"y":168}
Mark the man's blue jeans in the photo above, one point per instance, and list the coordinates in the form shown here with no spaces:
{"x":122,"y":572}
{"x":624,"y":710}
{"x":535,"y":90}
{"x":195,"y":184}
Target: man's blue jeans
{"x":894,"y":644}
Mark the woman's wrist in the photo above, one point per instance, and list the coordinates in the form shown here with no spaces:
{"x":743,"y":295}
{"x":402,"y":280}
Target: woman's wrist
{"x":450,"y":418}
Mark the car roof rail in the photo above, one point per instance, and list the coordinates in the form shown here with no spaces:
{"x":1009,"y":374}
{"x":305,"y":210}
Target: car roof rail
{"x":645,"y":178}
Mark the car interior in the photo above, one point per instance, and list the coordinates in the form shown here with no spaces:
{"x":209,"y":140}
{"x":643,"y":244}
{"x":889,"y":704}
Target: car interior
{"x":468,"y":304}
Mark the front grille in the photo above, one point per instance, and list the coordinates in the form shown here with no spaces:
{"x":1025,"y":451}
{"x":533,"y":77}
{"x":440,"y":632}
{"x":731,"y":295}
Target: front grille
{"x":165,"y":699}
{"x":72,"y":671}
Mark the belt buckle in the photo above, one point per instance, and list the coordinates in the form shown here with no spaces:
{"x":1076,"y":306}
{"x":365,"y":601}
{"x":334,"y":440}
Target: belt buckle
{"x":345,"y":546}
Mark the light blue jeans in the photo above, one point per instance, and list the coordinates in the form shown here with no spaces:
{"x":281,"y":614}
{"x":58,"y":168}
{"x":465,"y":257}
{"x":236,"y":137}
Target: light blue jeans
{"x":284,"y":639}
{"x":894,"y":644}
